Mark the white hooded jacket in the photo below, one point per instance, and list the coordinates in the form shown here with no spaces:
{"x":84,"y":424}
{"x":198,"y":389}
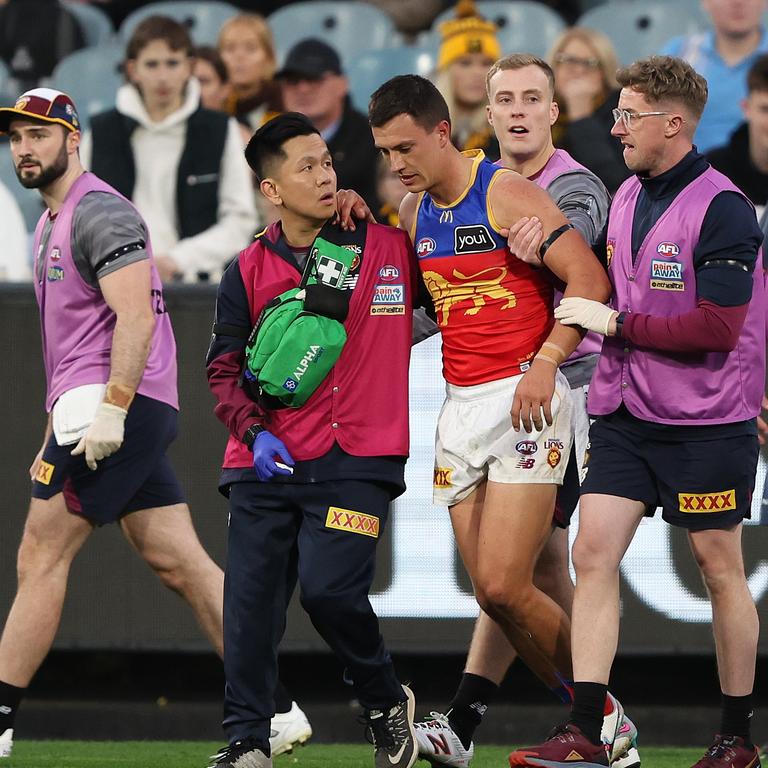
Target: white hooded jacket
{"x":157,"y":149}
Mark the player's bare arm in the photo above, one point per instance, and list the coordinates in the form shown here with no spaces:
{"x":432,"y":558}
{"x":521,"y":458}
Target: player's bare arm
{"x":127,"y":292}
{"x":571,"y":260}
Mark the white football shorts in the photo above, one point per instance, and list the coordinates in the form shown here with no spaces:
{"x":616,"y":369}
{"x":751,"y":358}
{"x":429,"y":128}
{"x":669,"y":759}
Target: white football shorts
{"x":476,"y":441}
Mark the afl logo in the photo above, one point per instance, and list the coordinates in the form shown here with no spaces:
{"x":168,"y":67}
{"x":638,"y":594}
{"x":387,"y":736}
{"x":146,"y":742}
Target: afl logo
{"x":425,"y":246}
{"x":526,"y":447}
{"x":670,"y":250}
{"x":388,"y":273}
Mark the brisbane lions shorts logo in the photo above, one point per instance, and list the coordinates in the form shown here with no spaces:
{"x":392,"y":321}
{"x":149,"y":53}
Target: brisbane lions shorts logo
{"x":472,"y":239}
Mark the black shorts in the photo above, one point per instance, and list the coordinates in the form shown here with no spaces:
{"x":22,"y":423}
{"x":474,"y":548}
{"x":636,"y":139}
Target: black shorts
{"x":568,"y":493}
{"x":138,"y":476}
{"x":699,"y":484}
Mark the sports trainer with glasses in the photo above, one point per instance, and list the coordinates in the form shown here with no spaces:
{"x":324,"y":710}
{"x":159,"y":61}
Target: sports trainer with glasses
{"x":675,"y":395}
{"x":309,"y":487}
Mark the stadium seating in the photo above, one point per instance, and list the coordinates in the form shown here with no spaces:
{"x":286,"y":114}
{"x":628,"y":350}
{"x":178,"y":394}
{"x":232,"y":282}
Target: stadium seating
{"x":640,"y":28}
{"x":371,"y":69}
{"x":91,"y":77}
{"x":203,"y":18}
{"x":587,"y":5}
{"x":523,"y":25}
{"x":352,"y":28}
{"x":28,"y":199}
{"x":5,"y":94}
{"x":96,"y":25}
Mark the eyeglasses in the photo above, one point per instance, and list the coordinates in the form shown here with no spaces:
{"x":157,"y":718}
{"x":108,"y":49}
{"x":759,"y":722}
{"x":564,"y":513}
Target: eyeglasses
{"x":576,"y":61}
{"x":629,"y":118}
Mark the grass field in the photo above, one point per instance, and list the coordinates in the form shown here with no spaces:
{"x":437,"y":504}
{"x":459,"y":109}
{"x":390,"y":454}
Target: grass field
{"x":193,"y":754}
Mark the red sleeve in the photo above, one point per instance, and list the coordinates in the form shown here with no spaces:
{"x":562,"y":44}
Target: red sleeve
{"x":226,"y":354}
{"x":234,"y":407}
{"x":708,"y":328}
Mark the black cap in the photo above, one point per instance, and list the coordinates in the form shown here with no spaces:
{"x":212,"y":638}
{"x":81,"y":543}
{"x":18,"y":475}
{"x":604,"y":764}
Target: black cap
{"x":310,"y":58}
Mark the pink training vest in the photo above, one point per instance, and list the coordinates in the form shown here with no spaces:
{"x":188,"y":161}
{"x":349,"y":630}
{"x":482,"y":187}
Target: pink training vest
{"x":695,"y":388}
{"x":76,"y":322}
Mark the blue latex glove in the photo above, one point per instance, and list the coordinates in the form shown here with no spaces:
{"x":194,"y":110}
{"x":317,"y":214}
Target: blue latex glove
{"x":267,"y":450}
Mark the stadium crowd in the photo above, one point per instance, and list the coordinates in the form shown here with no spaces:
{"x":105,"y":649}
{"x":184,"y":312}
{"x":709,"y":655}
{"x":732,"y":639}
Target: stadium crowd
{"x":241,"y":68}
{"x":223,"y":156}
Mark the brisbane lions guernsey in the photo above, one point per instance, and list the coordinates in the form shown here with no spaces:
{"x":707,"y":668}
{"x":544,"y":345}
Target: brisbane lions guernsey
{"x":494,"y":311}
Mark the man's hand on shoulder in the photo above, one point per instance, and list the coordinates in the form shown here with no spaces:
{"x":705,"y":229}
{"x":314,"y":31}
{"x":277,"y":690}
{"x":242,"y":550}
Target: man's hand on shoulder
{"x":350,"y":206}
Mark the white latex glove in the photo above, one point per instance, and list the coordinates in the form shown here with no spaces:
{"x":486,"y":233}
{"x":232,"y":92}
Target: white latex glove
{"x":104,"y":436}
{"x":587,"y":313}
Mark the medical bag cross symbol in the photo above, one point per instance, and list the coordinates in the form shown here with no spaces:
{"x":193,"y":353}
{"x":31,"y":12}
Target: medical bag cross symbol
{"x":330,"y":271}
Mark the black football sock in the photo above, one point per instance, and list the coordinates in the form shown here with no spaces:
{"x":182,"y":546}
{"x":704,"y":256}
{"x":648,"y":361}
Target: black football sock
{"x":469,"y":704}
{"x":588,"y":708}
{"x":736,"y":717}
{"x":10,"y":698}
{"x":283,"y":700}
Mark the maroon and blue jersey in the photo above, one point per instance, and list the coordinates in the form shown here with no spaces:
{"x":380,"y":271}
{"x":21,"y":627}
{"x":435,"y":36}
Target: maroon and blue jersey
{"x":493,"y":310}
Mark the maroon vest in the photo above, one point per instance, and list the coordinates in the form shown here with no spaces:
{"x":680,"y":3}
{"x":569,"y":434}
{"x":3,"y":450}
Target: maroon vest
{"x":363,"y":403}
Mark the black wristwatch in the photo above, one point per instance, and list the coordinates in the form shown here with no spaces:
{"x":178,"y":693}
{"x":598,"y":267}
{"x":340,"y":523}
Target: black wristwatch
{"x":620,"y":324}
{"x":251,"y":434}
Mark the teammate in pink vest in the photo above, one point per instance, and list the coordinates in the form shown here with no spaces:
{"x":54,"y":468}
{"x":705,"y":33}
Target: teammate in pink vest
{"x":112,"y":403}
{"x":522,"y":111}
{"x":675,"y":395}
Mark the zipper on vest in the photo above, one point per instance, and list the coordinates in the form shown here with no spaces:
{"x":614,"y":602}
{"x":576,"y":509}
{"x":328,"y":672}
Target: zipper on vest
{"x":204,"y":178}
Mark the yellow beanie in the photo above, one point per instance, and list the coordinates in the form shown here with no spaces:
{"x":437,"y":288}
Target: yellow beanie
{"x":467,"y":33}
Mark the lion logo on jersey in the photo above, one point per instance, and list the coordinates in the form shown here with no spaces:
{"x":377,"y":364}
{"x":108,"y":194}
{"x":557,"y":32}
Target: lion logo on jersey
{"x":446,"y":294}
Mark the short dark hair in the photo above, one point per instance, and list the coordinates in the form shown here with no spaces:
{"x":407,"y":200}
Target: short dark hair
{"x":266,"y":145}
{"x":757,"y":77}
{"x":213,"y":57}
{"x":408,"y":95}
{"x":159,"y":28}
